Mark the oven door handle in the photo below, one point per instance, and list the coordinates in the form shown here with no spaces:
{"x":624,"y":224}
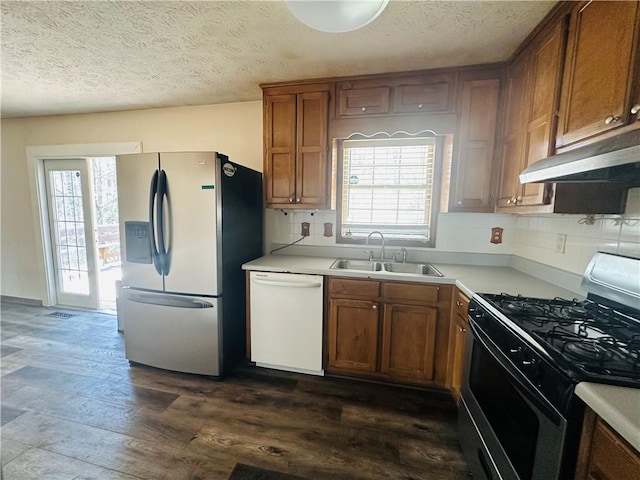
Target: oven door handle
{"x":530,"y":393}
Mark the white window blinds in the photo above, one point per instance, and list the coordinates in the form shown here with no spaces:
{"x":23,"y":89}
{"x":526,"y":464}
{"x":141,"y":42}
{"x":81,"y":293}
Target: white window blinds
{"x":387,"y":185}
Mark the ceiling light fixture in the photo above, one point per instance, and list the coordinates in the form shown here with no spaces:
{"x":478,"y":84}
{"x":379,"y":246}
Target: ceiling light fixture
{"x":336,"y":16}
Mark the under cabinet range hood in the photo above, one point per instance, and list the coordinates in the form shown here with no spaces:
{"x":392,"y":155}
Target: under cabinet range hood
{"x":613,"y":160}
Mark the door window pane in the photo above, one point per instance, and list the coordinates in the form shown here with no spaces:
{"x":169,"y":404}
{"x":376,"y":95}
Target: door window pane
{"x":70,"y":233}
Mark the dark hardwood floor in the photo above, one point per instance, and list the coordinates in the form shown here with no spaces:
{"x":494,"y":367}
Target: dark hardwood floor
{"x":73,"y":408}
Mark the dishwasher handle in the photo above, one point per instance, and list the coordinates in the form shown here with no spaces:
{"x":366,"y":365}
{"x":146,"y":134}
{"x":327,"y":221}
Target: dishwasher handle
{"x":276,"y":283}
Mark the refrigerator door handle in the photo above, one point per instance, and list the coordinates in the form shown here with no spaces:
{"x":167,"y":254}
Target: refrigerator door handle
{"x":162,"y":248}
{"x":167,"y":300}
{"x":153,"y":193}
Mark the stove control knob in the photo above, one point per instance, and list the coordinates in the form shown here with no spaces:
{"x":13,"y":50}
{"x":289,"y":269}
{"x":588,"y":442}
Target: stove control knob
{"x":531,"y":367}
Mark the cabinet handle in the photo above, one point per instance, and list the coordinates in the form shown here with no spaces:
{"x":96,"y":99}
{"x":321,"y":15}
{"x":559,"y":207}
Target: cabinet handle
{"x":291,"y":200}
{"x":512,"y":201}
{"x":419,"y":105}
{"x":462,"y":330}
{"x":364,"y":109}
{"x":375,"y":307}
{"x":297,"y":200}
{"x":635,"y":109}
{"x":610,"y":119}
{"x":458,"y":304}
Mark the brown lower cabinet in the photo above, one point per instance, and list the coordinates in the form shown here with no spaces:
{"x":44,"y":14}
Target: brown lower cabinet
{"x":458,"y":335}
{"x":604,"y":454}
{"x":392,"y":331}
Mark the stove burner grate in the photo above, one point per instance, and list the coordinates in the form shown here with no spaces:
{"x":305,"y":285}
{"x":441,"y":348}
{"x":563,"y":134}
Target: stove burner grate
{"x":590,"y":351}
{"x":583,"y":336}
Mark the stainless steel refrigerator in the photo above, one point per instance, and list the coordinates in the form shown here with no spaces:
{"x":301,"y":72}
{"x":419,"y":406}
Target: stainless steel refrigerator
{"x":188,"y":221}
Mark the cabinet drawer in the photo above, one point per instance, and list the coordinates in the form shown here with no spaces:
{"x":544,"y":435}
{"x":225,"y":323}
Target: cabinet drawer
{"x":461,"y":304}
{"x":360,"y":288}
{"x":363,"y":101}
{"x":411,"y":291}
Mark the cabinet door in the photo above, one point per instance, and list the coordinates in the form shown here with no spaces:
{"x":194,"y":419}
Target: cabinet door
{"x":513,"y":132}
{"x":604,"y":454}
{"x":432,"y":93}
{"x":472,"y":177}
{"x":362,"y":101}
{"x":459,"y":335}
{"x":545,"y":74}
{"x":601,"y":55}
{"x":408,"y":341}
{"x":280,"y":149}
{"x":311,"y":152}
{"x":353,"y":335}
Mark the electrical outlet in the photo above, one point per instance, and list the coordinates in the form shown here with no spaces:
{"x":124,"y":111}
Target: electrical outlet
{"x":305,"y":229}
{"x":561,"y":243}
{"x":496,"y":235}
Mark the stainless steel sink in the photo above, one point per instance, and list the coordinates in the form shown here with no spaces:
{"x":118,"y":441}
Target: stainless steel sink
{"x":364,"y":265}
{"x":386,"y":267}
{"x":413,"y":269}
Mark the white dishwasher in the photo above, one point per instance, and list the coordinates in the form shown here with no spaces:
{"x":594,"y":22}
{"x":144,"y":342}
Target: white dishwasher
{"x":286,"y":321}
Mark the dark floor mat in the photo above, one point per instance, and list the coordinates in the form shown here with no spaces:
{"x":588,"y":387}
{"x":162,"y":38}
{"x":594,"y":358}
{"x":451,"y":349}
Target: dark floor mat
{"x":247,"y":472}
{"x":60,"y":314}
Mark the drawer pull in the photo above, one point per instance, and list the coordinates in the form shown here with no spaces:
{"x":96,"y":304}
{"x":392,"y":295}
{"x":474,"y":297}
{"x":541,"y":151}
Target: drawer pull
{"x":635,"y":109}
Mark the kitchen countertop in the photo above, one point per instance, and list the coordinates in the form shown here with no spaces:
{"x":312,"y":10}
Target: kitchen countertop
{"x":618,"y":406}
{"x":469,"y":278}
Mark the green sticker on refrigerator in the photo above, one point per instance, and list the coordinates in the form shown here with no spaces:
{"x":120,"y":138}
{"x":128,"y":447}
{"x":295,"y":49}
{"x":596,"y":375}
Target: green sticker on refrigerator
{"x":207,"y":187}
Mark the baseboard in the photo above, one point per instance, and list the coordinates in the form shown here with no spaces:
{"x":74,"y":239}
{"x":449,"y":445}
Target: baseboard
{"x":21,"y":301}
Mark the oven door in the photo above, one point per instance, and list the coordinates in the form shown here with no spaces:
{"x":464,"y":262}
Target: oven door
{"x":507,"y":428}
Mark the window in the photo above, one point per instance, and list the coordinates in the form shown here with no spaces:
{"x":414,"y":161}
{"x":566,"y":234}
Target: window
{"x":389,"y":185}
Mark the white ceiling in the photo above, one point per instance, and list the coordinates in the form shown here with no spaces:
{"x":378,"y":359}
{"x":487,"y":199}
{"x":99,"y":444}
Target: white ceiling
{"x":95,"y":56}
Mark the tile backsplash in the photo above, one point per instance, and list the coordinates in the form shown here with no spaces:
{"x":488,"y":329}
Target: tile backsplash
{"x":562,"y":241}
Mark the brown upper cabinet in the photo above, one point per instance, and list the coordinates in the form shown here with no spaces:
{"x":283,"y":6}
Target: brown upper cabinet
{"x":531,"y":97}
{"x":396,"y":95}
{"x":296,"y":164}
{"x":472,"y":171}
{"x":573,"y":82}
{"x":600,"y":87}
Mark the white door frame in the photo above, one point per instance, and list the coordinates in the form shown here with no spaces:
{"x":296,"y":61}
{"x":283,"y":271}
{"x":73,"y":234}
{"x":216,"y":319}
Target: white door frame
{"x":35,"y":165}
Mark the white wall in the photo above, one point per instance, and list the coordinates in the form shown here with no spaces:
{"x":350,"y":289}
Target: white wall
{"x":531,"y":236}
{"x":234,"y":129}
{"x":536,"y":236}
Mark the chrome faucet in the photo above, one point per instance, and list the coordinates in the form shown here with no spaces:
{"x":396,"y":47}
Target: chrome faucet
{"x":381,"y":242}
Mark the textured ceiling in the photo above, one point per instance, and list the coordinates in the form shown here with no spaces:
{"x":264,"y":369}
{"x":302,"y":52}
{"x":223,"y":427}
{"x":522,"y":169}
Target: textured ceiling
{"x":75,"y":57}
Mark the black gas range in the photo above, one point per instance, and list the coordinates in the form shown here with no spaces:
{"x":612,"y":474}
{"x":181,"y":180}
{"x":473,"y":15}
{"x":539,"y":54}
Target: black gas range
{"x":586,"y":340}
{"x":520,"y":418}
